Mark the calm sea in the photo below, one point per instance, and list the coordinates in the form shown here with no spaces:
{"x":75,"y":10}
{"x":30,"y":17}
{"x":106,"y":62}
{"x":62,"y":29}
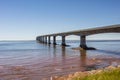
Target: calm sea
{"x":30,"y":60}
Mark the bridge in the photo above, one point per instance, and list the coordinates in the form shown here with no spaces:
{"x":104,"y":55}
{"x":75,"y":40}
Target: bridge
{"x":82,"y":33}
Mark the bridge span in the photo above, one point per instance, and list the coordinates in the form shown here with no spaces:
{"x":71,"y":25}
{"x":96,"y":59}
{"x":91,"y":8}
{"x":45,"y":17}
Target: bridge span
{"x":82,"y":33}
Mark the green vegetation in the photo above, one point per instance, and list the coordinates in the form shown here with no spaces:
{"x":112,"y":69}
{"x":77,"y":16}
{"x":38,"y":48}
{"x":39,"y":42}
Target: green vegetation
{"x":110,"y":73}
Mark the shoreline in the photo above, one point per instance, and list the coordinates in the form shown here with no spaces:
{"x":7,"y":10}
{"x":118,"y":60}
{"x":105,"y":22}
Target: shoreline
{"x":96,"y":66}
{"x":81,"y":74}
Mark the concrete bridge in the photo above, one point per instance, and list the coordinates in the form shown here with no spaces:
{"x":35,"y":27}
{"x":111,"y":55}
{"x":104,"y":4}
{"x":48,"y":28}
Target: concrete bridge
{"x":81,"y":33}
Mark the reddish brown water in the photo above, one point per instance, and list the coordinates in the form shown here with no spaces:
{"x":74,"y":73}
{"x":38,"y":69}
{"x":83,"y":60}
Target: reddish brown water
{"x":37,"y":61}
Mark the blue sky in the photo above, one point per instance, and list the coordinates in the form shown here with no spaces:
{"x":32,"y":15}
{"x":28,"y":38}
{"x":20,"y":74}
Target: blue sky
{"x":26,"y":19}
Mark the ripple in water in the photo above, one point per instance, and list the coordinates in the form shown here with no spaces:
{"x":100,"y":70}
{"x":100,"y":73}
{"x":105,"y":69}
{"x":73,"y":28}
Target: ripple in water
{"x":29,"y":60}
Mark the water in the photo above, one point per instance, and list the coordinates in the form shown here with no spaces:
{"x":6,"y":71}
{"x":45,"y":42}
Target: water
{"x":29,"y":60}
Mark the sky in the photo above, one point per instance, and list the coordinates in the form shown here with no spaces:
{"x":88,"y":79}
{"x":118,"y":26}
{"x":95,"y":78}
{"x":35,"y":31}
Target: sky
{"x":26,"y":19}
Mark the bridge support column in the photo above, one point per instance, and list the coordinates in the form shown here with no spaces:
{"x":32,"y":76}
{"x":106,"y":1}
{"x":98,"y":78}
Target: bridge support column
{"x":49,"y":40}
{"x":83,"y":42}
{"x":54,"y":40}
{"x":42,"y":39}
{"x":45,"y":39}
{"x":38,"y":39}
{"x":63,"y":41}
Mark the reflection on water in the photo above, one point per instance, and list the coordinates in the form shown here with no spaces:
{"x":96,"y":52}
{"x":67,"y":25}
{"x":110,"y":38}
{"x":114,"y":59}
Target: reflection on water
{"x":63,"y":51}
{"x":83,"y":53}
{"x":28,"y":60}
{"x":83,"y":57}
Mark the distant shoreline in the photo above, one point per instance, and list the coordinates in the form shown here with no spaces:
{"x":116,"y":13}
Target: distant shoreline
{"x":59,"y":40}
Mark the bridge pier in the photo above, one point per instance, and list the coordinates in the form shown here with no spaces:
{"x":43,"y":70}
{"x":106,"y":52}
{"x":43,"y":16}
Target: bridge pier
{"x":49,"y":40}
{"x":40,"y":39}
{"x":54,"y":40}
{"x":63,"y":41}
{"x":45,"y":39}
{"x":83,"y":42}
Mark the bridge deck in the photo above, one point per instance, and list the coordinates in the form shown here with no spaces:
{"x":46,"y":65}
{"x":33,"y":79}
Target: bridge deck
{"x":105,"y":29}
